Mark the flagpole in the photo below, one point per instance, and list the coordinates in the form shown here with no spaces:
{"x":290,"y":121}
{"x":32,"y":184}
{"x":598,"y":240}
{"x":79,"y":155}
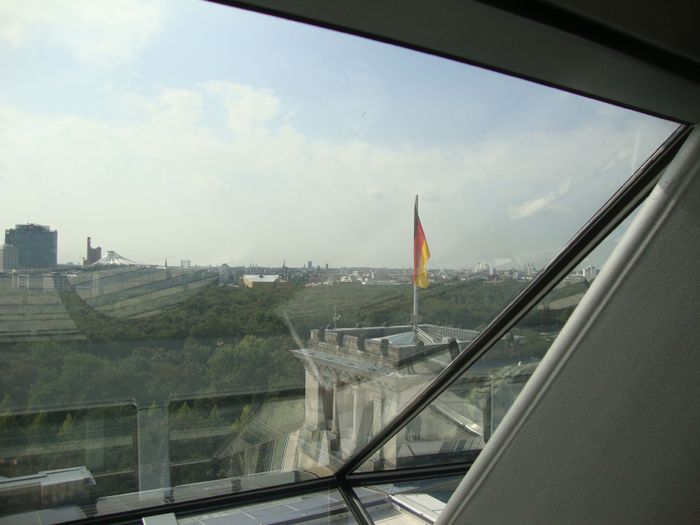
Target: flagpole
{"x":415,"y":306}
{"x":415,"y":318}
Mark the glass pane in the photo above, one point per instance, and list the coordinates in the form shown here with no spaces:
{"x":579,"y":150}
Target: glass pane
{"x":416,"y":502}
{"x":461,"y":420}
{"x":218,"y":238}
{"x":318,"y":509}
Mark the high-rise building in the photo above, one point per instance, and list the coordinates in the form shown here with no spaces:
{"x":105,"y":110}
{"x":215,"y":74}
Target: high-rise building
{"x":8,"y":257}
{"x":37,"y":245}
{"x":93,"y":254}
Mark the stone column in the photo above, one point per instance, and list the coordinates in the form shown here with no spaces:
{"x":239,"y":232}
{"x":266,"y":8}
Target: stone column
{"x":357,"y":408}
{"x":335,"y":424}
{"x":313,"y":404}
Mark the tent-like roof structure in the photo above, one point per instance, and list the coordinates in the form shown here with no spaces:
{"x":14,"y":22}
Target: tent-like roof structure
{"x":114,"y":259}
{"x":260,"y":278}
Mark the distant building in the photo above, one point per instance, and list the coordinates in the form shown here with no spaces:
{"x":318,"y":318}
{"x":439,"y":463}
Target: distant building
{"x":530,"y":271}
{"x":21,"y":281}
{"x":114,"y":259}
{"x":8,"y":257}
{"x":93,"y":254}
{"x":227,"y":275}
{"x":37,"y":245}
{"x":482,"y":269}
{"x":260,"y":281}
{"x":55,"y":281}
{"x":589,"y":273}
{"x":38,"y":281}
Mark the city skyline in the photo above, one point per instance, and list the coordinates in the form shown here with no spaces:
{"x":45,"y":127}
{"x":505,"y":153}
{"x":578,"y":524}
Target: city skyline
{"x":594,"y":259}
{"x":166,"y":149}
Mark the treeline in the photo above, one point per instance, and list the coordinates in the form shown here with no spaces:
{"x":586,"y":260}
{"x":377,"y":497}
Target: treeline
{"x":227,"y":312}
{"x":230,"y":339}
{"x":213,"y":312}
{"x":66,"y":374}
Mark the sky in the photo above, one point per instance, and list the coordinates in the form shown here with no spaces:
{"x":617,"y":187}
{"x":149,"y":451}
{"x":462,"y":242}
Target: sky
{"x":188,"y":130}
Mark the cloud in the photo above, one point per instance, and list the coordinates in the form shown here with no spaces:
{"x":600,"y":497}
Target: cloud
{"x":171,"y":181}
{"x":180,"y":107}
{"x":375,"y":193}
{"x":531,"y":207}
{"x":248,"y":109}
{"x":98,"y":33}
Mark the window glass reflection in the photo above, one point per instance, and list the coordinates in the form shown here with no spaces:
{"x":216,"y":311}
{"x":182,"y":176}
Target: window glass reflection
{"x":320,"y":508}
{"x":212,"y":291}
{"x":416,"y":502}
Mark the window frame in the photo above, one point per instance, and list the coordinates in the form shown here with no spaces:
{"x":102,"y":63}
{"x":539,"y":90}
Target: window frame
{"x":345,"y":479}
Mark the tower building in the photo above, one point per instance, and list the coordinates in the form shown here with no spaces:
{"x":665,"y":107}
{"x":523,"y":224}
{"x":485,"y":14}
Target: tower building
{"x":37,"y":245}
{"x":8,"y":257}
{"x":93,"y":254}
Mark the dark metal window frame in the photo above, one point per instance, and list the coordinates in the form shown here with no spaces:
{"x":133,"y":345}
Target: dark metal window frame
{"x":542,"y":12}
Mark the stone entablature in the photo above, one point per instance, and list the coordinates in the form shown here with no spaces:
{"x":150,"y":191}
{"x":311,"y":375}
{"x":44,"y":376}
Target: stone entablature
{"x":376,"y":345}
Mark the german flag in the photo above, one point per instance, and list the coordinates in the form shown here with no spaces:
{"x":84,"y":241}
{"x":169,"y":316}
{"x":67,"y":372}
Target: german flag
{"x":421,"y":252}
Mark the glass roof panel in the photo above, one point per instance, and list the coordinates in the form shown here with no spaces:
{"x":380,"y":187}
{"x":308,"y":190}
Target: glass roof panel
{"x":319,"y":508}
{"x":416,"y":502}
{"x":212,"y":291}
